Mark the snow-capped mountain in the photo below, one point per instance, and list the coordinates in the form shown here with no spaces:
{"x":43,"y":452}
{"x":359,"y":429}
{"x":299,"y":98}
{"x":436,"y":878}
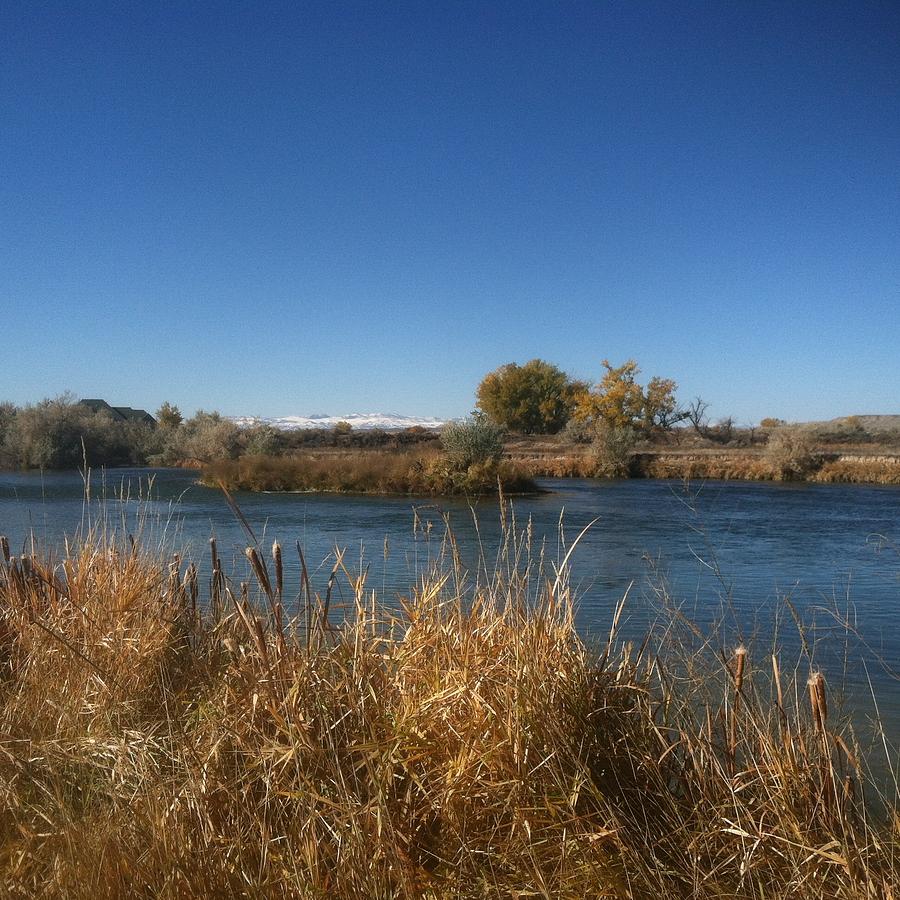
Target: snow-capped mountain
{"x":361,"y":421}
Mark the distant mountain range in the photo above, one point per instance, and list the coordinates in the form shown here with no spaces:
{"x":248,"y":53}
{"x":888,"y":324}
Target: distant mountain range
{"x":360,"y":421}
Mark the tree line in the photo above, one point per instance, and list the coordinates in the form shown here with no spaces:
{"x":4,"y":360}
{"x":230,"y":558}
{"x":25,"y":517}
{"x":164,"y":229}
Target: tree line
{"x":62,"y":433}
{"x":539,"y":398}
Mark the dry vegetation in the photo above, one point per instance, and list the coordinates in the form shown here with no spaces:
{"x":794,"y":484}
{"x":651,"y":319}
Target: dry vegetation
{"x":424,"y":473}
{"x":781,"y":454}
{"x":158,"y":742}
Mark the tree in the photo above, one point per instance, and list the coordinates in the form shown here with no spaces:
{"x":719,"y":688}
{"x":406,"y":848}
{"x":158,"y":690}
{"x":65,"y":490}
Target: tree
{"x":168,"y":416}
{"x":535,"y":398}
{"x":696,"y":415}
{"x":661,"y":409}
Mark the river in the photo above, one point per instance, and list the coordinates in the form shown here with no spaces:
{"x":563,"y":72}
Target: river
{"x":723,"y":552}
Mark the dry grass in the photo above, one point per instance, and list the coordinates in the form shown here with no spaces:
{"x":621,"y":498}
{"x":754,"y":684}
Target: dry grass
{"x":466,"y":744}
{"x":736,"y":466}
{"x":575,"y":465}
{"x":422,"y":472}
{"x":861,"y":470}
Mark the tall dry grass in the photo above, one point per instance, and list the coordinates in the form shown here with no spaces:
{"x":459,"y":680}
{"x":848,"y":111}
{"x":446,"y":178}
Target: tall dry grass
{"x":160,"y":737}
{"x":739,"y":465}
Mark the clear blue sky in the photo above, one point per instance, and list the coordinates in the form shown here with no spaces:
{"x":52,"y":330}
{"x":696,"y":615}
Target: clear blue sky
{"x":283,"y":208}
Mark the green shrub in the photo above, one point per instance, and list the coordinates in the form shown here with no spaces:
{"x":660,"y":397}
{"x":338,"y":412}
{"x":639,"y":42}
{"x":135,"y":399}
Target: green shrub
{"x":473,"y":441}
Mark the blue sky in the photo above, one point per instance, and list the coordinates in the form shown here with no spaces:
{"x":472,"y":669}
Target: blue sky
{"x":272,"y":208}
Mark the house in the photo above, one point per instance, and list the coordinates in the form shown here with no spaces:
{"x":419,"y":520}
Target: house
{"x":120,"y":413}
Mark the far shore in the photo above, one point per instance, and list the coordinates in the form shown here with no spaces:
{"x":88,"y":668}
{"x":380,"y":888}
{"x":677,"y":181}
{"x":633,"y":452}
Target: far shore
{"x":534,"y":457}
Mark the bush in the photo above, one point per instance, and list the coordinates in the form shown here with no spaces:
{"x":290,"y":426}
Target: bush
{"x":792,"y":455}
{"x":472,"y":441}
{"x":579,"y":431}
{"x":205,"y":436}
{"x":612,"y":449}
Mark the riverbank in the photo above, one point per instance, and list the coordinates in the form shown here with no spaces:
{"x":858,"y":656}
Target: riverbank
{"x":823,"y":465}
{"x":160,"y":739}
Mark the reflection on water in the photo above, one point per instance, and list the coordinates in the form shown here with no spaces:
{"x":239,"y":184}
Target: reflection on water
{"x":723,"y":550}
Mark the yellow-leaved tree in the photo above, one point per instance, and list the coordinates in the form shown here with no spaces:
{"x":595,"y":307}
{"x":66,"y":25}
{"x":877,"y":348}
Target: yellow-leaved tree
{"x":619,"y":401}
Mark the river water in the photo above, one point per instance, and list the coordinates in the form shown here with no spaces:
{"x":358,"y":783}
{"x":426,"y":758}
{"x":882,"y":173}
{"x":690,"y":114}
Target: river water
{"x":722,"y":552}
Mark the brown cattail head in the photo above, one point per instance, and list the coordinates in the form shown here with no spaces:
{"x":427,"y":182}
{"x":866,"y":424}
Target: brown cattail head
{"x":259,"y":569}
{"x":740,"y":662}
{"x":4,"y":547}
{"x":279,"y":568}
{"x":817,"y":700}
{"x":214,"y":553}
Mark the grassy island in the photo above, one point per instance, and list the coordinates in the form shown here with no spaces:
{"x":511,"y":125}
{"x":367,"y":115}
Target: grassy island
{"x":159,"y":739}
{"x":367,"y":472}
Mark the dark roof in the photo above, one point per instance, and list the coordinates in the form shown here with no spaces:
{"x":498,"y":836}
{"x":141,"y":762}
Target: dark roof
{"x":134,"y":415}
{"x":120,"y":413}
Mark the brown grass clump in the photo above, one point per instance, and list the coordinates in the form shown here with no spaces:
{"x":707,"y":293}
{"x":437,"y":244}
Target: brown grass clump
{"x":464,"y":744}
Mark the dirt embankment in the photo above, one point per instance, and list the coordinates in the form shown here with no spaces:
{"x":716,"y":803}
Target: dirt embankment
{"x":852,"y":463}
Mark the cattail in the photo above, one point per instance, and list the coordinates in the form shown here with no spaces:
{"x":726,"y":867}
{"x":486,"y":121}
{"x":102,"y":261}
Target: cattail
{"x":740,"y":662}
{"x":4,"y":547}
{"x":259,"y":569}
{"x":817,"y":700}
{"x":279,"y":568}
{"x":190,"y":584}
{"x":213,"y":553}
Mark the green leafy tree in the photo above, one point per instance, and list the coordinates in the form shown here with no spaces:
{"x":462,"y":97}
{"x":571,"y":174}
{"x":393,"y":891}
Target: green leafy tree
{"x":535,"y":398}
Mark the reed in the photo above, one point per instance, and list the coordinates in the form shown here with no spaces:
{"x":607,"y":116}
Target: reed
{"x":463,"y":743}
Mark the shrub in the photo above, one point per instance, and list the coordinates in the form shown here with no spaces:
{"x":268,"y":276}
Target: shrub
{"x":612,"y":450}
{"x":791,"y":453}
{"x":579,"y":431}
{"x":205,"y":436}
{"x":473,"y":441}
